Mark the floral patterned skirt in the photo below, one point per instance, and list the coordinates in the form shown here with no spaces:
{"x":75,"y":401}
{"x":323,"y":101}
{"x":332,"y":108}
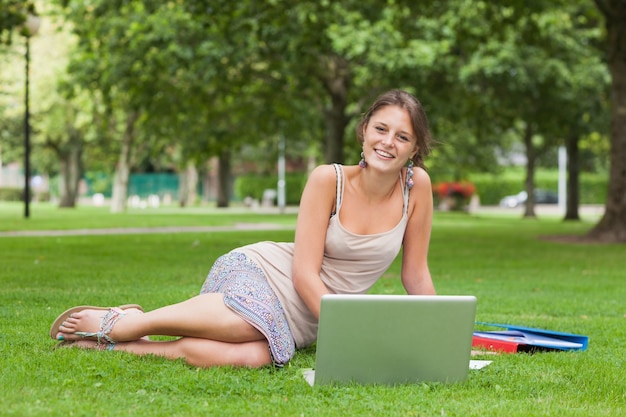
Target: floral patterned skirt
{"x":247,"y":292}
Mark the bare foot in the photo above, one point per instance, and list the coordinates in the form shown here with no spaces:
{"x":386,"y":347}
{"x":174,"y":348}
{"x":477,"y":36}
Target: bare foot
{"x":87,"y":321}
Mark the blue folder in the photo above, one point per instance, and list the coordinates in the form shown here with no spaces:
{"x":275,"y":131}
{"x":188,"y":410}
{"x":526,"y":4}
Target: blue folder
{"x":546,"y":339}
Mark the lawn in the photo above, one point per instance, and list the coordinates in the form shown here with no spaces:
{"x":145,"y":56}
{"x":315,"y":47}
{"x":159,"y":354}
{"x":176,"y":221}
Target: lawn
{"x":518,"y":278}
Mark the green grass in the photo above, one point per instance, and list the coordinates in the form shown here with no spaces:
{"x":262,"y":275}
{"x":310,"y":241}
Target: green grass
{"x":45,"y":216}
{"x":517,"y":277}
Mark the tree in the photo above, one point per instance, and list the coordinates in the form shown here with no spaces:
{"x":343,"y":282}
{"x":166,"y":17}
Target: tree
{"x":340,"y":55}
{"x":55,"y":117}
{"x":127,"y":53}
{"x":12,"y":16}
{"x":64,"y":112}
{"x":167,"y":71}
{"x":612,"y":225}
{"x":521,"y":65}
{"x":65,"y":138}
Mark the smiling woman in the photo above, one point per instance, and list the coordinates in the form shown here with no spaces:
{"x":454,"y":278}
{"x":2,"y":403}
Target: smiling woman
{"x":260,"y":302}
{"x":389,"y":136}
{"x":411,"y":116}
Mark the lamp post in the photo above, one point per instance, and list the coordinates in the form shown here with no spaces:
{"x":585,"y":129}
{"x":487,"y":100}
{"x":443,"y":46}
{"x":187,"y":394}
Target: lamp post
{"x":31,"y":26}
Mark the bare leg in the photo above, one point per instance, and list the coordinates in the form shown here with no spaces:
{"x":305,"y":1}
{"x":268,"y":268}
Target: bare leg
{"x":204,"y":316}
{"x":197,"y":352}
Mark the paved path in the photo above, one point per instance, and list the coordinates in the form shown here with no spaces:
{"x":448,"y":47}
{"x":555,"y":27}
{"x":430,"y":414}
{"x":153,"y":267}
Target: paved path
{"x":591,"y":210}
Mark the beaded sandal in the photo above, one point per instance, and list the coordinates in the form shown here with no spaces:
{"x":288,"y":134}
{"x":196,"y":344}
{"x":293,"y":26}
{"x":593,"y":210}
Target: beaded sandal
{"x":104,"y":327}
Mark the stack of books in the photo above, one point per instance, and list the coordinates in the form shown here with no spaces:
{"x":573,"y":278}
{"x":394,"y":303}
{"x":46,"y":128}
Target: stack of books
{"x":526,"y":339}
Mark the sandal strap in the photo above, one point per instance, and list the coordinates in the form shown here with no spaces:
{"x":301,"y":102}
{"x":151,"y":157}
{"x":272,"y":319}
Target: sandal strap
{"x":106,"y":325}
{"x":108,"y":321}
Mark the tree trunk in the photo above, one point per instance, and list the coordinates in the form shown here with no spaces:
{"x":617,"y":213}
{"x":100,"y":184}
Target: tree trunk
{"x":182,"y":188}
{"x":223,"y":179}
{"x":529,"y":185}
{"x":612,"y":225}
{"x":70,"y":156}
{"x":206,"y":183}
{"x":192,"y":184}
{"x":122,"y":170}
{"x":336,"y":80}
{"x":71,"y":173}
{"x":573,"y":177}
{"x":188,"y":185}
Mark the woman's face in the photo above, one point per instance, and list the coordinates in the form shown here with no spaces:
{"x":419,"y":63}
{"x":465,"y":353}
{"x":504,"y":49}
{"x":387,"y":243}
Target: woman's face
{"x":388,"y":138}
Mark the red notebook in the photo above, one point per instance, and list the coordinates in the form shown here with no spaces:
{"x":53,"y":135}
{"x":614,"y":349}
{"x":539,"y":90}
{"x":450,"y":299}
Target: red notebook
{"x":526,"y":339}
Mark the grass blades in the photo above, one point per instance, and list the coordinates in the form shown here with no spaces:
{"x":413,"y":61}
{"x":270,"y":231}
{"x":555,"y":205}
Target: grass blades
{"x":518,"y":278}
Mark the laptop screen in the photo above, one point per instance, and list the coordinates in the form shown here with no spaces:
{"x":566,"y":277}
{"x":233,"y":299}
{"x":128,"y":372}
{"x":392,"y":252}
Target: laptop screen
{"x":392,"y":339}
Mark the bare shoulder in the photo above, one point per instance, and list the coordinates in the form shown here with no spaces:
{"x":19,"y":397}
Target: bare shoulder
{"x":323,"y":175}
{"x":421,"y":177}
{"x":319,"y":193}
{"x":422,"y":191}
{"x":320,"y":185}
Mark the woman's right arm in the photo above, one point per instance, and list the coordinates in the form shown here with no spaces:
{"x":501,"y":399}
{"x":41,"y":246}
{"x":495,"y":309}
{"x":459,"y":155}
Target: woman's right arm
{"x":316,"y":204}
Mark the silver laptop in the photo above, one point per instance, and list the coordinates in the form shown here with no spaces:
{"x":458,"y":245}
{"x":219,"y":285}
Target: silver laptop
{"x":393,"y":339}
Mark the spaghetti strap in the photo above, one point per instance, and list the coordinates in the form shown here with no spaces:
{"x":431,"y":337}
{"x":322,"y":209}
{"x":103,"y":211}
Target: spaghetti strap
{"x":405,"y":195}
{"x":339,"y":187}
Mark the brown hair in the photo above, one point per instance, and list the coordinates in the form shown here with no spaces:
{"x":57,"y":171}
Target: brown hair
{"x":416,"y":112}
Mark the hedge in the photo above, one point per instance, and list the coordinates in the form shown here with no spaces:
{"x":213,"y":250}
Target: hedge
{"x":254,"y":185}
{"x":491,"y":188}
{"x":11,"y":194}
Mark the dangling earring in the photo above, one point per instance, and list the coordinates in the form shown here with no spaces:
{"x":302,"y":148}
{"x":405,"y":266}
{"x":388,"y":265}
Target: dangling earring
{"x":409,"y":175}
{"x":362,"y":162}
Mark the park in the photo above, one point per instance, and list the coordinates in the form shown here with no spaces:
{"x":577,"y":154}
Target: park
{"x":519,"y":275}
{"x":141,"y":140}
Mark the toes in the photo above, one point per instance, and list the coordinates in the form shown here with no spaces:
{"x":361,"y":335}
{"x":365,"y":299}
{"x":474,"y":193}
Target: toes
{"x":74,"y":317}
{"x":68,"y":336}
{"x":66,"y":327}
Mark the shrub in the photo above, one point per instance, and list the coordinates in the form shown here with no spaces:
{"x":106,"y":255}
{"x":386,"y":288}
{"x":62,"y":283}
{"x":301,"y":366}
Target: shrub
{"x":11,"y":194}
{"x":492,"y":188}
{"x":454,"y":195}
{"x":252,"y":185}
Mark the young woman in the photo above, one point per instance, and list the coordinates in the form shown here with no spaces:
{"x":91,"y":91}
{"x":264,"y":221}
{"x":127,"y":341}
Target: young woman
{"x":261,"y":302}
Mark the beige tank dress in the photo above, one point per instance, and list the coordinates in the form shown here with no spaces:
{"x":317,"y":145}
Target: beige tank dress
{"x":255,"y":280}
{"x":352,"y":263}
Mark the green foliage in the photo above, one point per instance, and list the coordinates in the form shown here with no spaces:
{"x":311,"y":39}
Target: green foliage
{"x":593,"y":189}
{"x":12,"y":16}
{"x":523,"y":67}
{"x":11,"y":194}
{"x":99,"y":182}
{"x":12,"y":136}
{"x":205,"y":75}
{"x":17,"y":194}
{"x":517,"y":277}
{"x":254,"y":186}
{"x":492,"y":188}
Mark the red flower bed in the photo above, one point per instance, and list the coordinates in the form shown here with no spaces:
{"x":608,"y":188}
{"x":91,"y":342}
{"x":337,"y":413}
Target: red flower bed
{"x":454,"y":189}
